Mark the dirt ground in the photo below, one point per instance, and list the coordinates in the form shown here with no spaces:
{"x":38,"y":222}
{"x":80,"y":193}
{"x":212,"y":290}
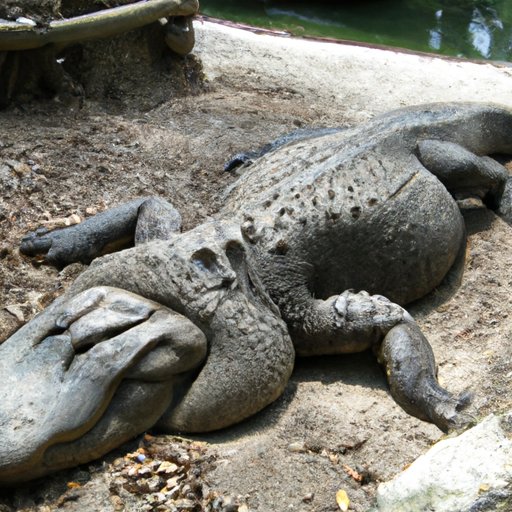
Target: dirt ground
{"x":335,"y":427}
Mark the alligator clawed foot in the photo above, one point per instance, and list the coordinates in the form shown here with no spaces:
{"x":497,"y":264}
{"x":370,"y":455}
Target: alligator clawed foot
{"x":61,"y":247}
{"x":54,"y":247}
{"x":100,"y":313}
{"x":451,"y":414}
{"x":68,"y":376}
{"x":36,"y":243}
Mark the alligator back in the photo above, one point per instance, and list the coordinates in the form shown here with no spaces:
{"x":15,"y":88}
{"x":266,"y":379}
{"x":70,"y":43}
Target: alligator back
{"x":358,"y":207}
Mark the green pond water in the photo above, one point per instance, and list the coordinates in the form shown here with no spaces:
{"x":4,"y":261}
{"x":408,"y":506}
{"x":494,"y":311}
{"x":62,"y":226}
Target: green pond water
{"x":480,"y":29}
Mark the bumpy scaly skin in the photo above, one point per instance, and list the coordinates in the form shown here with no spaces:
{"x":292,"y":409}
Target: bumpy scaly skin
{"x":204,"y":278}
{"x":321,"y":243}
{"x":365,"y":191}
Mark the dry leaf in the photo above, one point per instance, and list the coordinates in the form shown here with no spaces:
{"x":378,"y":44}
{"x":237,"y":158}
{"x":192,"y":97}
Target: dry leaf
{"x":353,"y":473}
{"x":484,"y":488}
{"x":342,"y":500}
{"x":167,"y":467}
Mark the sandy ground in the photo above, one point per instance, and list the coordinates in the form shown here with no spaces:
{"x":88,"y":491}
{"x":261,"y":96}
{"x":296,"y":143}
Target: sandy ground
{"x":336,"y":420}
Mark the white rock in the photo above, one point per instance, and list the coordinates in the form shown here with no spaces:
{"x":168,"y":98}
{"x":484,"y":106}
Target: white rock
{"x":455,"y":473}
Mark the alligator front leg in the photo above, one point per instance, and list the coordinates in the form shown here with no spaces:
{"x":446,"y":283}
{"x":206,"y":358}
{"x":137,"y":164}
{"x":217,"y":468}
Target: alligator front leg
{"x":88,"y":373}
{"x":136,"y":222}
{"x":352,"y":322}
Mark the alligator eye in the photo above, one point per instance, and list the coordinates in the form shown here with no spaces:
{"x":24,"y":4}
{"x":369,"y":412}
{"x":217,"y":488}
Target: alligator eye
{"x":206,"y":259}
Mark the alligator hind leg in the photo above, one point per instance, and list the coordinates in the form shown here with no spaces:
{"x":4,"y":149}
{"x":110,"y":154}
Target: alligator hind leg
{"x":352,"y":322}
{"x":464,"y":173}
{"x":89,"y":372}
{"x":136,"y":222}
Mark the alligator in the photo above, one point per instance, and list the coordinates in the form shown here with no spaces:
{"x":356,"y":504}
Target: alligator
{"x":34,"y":34}
{"x":319,"y":246}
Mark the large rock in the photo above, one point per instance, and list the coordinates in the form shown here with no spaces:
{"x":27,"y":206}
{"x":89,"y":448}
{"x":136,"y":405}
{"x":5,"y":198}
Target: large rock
{"x":468,"y":473}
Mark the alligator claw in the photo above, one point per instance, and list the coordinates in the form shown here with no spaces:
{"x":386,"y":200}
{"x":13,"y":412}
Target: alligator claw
{"x":450,"y":414}
{"x":35,"y":243}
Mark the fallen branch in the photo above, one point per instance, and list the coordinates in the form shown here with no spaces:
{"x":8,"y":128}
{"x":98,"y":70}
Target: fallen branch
{"x":15,"y":35}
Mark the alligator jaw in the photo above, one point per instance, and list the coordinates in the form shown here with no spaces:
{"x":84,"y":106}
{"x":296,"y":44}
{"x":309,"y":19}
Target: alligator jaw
{"x":106,"y":23}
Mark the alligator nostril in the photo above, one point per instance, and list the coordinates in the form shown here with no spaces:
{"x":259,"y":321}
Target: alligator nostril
{"x":228,"y":281}
{"x":206,"y":259}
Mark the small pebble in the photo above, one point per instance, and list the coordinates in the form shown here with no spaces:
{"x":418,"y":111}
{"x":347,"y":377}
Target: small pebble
{"x":167,"y":467}
{"x":117,"y":503}
{"x":16,"y":311}
{"x":297,"y":447}
{"x":308,"y":498}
